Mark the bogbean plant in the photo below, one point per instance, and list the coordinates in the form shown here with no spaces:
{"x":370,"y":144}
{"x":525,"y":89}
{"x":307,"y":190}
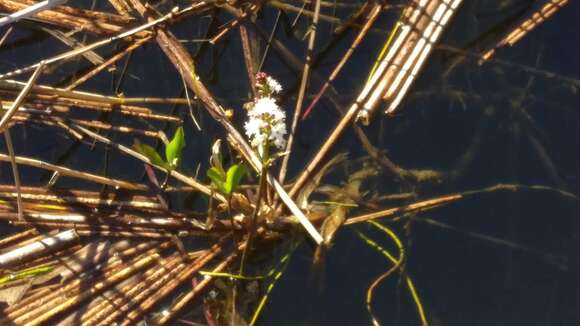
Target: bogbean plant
{"x":265,"y":128}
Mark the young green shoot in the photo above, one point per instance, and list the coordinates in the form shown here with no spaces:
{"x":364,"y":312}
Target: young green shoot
{"x":173,"y":153}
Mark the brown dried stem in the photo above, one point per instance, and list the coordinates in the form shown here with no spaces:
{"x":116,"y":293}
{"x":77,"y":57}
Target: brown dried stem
{"x":94,"y":289}
{"x":118,"y":56}
{"x":74,"y":173}
{"x":16,"y":104}
{"x":38,"y":248}
{"x":184,"y":275}
{"x":301,"y":92}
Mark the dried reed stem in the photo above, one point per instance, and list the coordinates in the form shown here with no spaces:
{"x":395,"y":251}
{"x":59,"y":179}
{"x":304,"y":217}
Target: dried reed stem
{"x":418,"y":206}
{"x":94,"y":289}
{"x":108,"y":62}
{"x":15,"y":173}
{"x":38,"y":248}
{"x":529,"y":23}
{"x":30,"y":11}
{"x":184,"y":275}
{"x":301,"y":92}
{"x":25,"y":90}
{"x":371,"y":18}
{"x":74,"y":173}
{"x":151,"y":281}
{"x":85,"y":198}
{"x":186,"y":299}
{"x":75,"y":52}
{"x":72,"y":18}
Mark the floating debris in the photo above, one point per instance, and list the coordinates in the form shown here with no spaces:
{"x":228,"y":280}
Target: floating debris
{"x":406,"y":51}
{"x":528,"y":23}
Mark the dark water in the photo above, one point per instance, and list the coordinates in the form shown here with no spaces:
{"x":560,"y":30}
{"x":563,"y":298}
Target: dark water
{"x":528,"y":273}
{"x":500,"y":258}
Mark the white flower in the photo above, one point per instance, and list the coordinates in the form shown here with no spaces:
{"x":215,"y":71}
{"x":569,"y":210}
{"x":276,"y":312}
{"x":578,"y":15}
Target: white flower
{"x":267,"y":122}
{"x":273,"y":84}
{"x":278,"y":135}
{"x":253,"y":127}
{"x":266,"y":107}
{"x":254,"y":130}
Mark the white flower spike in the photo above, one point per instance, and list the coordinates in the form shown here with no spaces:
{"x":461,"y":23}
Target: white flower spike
{"x":266,"y":121}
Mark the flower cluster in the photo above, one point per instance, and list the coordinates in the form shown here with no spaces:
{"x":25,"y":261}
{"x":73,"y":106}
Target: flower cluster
{"x":266,"y":121}
{"x":266,"y":85}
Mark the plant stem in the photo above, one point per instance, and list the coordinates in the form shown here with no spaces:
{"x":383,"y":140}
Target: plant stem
{"x":261,"y":191}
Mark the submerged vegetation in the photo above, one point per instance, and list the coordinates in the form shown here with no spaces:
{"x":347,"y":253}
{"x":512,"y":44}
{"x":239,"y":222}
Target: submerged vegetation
{"x":168,"y":161}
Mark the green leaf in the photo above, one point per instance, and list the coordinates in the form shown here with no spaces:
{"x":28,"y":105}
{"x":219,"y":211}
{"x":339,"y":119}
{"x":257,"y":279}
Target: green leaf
{"x":234,"y":175}
{"x":174,"y":148}
{"x":216,"y":157}
{"x":151,"y":154}
{"x":217,"y":179}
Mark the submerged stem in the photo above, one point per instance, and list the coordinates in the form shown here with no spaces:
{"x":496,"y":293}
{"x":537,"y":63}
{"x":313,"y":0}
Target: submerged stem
{"x":252,"y":222}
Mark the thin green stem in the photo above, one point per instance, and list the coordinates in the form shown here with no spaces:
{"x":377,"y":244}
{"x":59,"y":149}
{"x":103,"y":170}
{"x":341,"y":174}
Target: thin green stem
{"x":261,"y":191}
